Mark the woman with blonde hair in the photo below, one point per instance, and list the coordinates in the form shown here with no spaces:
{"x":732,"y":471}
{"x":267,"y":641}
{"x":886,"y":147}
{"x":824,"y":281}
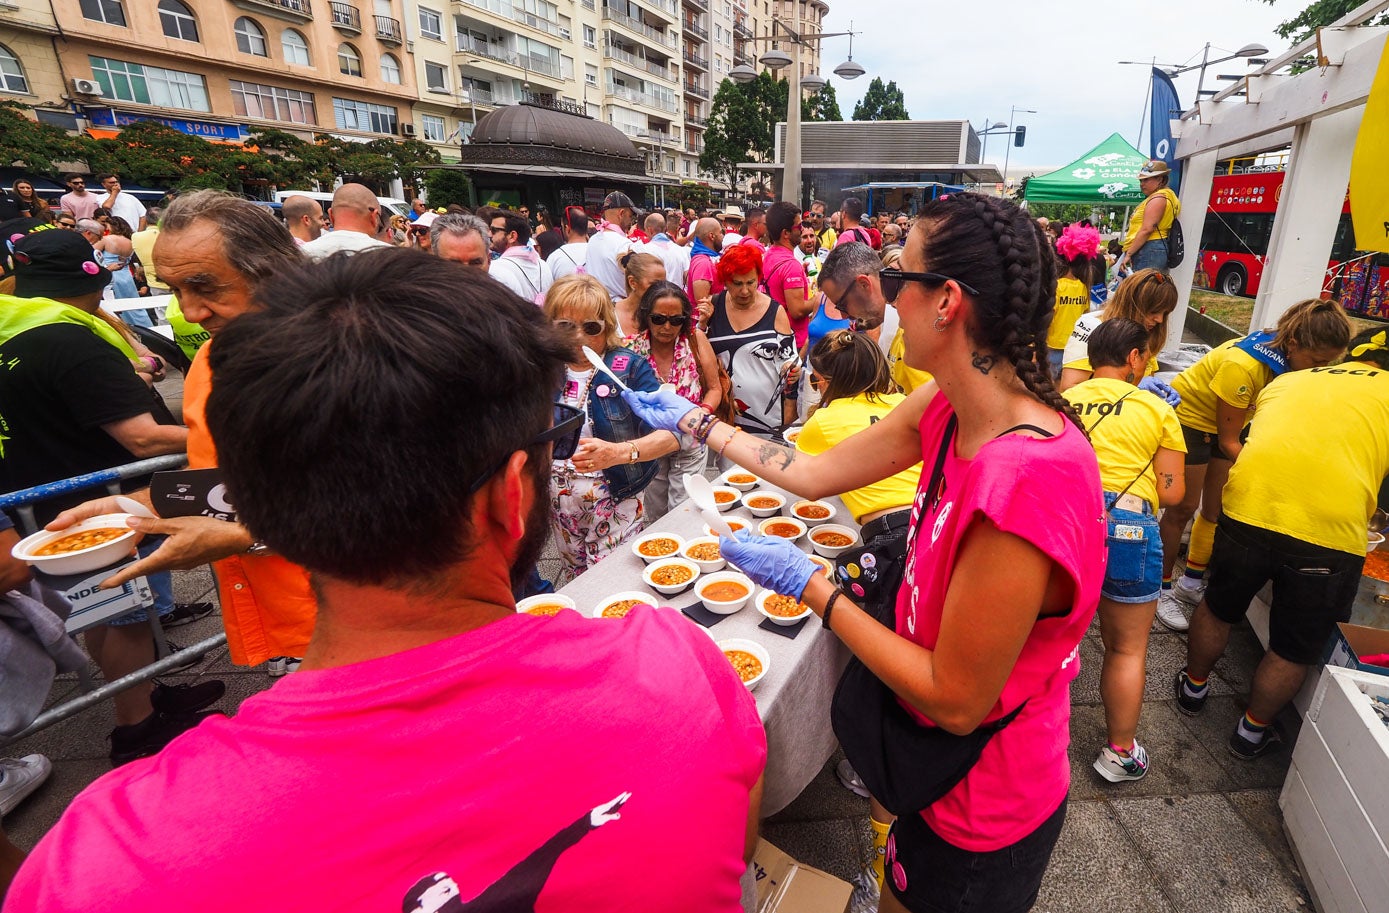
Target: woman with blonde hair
{"x":595,"y":495}
{"x":1217,"y":402}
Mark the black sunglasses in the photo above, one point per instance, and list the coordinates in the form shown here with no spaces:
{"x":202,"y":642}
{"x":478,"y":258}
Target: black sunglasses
{"x":419,"y":231}
{"x":660,"y":320}
{"x":588,"y":327}
{"x":892,"y":280}
{"x":563,"y":435}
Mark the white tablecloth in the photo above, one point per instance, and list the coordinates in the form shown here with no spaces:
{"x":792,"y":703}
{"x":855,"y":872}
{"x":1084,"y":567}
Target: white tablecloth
{"x":794,"y":697}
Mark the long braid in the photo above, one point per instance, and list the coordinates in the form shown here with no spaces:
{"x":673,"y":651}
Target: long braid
{"x":1030,"y":290}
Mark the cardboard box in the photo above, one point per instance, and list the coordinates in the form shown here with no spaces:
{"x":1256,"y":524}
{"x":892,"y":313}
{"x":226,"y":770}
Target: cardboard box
{"x":786,"y":886}
{"x":1350,"y":642}
{"x":91,"y":605}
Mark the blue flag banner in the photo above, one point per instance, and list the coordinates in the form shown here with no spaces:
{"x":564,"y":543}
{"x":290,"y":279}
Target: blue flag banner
{"x":1165,"y":108}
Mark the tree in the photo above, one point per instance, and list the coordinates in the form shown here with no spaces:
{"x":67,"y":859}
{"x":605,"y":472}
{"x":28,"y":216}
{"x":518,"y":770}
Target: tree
{"x":821,"y":106}
{"x":447,"y":185}
{"x":739,"y":129}
{"x":33,"y":146}
{"x":1321,"y":13}
{"x":882,"y":102}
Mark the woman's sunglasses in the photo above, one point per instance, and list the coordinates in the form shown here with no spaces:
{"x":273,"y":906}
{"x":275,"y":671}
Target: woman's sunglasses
{"x":588,"y":327}
{"x":660,"y":320}
{"x":563,"y":435}
{"x":893,"y":279}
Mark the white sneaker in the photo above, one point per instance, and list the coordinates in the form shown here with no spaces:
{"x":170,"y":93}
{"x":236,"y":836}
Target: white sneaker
{"x":850,"y":778}
{"x":279,"y":666}
{"x":1171,"y":611}
{"x":19,"y":777}
{"x":1118,"y":768}
{"x":1189,"y":593}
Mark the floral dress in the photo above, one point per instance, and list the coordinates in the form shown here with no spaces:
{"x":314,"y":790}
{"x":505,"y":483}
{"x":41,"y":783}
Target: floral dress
{"x":668,"y":488}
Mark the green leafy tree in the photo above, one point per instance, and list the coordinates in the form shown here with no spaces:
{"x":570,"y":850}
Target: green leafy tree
{"x":738,"y":130}
{"x":882,"y":102}
{"x":694,"y":196}
{"x":33,"y":146}
{"x":447,"y":185}
{"x":1321,"y":13}
{"x":821,"y":106}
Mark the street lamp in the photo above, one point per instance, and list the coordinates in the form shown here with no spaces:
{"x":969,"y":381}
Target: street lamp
{"x":1008,"y":150}
{"x":988,"y":129}
{"x":1249,"y":51}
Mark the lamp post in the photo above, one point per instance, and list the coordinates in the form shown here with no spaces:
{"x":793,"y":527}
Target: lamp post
{"x":1251,"y":50}
{"x":988,"y":129}
{"x":1008,"y":150}
{"x":776,"y":59}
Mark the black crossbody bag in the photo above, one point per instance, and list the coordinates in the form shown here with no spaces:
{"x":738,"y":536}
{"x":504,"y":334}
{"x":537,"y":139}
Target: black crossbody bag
{"x":906,"y":766}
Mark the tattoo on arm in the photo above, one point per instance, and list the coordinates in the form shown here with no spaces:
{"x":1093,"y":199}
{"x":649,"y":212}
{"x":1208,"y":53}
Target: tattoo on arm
{"x":983,"y":363}
{"x":775,"y":456}
{"x":1168,"y":480}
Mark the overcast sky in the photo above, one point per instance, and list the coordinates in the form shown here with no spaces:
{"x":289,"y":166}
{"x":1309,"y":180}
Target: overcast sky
{"x":1058,"y":57}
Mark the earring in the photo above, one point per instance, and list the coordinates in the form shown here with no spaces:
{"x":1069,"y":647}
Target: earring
{"x":940,"y":324}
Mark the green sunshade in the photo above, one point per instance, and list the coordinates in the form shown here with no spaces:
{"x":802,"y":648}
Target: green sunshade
{"x":1106,"y":174}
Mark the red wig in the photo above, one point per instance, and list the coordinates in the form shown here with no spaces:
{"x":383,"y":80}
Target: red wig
{"x":739,"y":260}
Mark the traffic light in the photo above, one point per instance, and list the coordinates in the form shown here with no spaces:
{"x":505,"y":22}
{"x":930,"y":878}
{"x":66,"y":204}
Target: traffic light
{"x":1019,"y":136}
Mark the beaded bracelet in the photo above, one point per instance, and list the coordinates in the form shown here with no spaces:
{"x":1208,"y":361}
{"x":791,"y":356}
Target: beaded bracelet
{"x":728,"y":441}
{"x":703,"y":429}
{"x":829,"y":607}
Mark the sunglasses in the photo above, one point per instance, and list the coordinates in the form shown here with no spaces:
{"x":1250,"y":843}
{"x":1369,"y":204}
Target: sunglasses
{"x":419,"y":231}
{"x":67,"y":224}
{"x":563,"y":434}
{"x":660,"y":320}
{"x":892,"y":280}
{"x":588,"y":327}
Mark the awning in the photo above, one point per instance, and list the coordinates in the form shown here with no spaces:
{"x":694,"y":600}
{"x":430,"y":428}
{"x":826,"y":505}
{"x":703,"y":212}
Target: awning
{"x":554,"y":171}
{"x":1107,"y":173}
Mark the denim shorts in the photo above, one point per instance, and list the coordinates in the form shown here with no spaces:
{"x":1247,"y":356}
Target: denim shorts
{"x":1133,"y":571}
{"x":1152,"y":255}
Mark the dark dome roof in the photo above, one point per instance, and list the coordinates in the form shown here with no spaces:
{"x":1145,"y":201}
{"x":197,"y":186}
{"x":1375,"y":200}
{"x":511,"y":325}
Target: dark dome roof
{"x":532,"y":125}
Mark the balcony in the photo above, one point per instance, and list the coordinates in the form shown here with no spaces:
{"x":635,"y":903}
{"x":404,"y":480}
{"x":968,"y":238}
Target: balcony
{"x":515,"y":14}
{"x":388,"y":30}
{"x":660,"y":36}
{"x":662,"y":6}
{"x":740,"y":28}
{"x":694,"y":60}
{"x":697,"y":30}
{"x":696,"y":90}
{"x":701,"y":5}
{"x":693,"y":120}
{"x":497,"y":52}
{"x":659,"y":102}
{"x":345,"y":17}
{"x":614,"y":52}
{"x":289,"y":10}
{"x":476,"y":97}
{"x":741,"y":58}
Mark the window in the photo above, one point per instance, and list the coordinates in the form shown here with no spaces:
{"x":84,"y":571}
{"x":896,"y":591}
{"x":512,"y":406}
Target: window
{"x":177,"y":21}
{"x":150,"y":85}
{"x":11,"y":73}
{"x":590,"y":37}
{"x":433,"y":128}
{"x":249,"y":38}
{"x":109,"y":11}
{"x":358,"y":115}
{"x":431,"y":24}
{"x":590,"y":74}
{"x":350,"y":62}
{"x":390,"y":69}
{"x":295,"y":47}
{"x":436,"y":77}
{"x":251,"y":99}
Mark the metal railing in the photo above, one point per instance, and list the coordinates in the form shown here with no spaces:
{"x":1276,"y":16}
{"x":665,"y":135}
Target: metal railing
{"x":388,"y":29}
{"x":660,"y":36}
{"x":504,"y":8}
{"x":650,"y":66}
{"x":470,"y":45}
{"x":696,"y":91}
{"x":694,"y":120}
{"x":666,"y":6}
{"x":697,"y":30}
{"x":299,"y":7}
{"x":345,"y":16}
{"x":695,"y":60}
{"x":476,"y":97}
{"x":659,"y":102}
{"x":740,"y":27}
{"x":701,"y":5}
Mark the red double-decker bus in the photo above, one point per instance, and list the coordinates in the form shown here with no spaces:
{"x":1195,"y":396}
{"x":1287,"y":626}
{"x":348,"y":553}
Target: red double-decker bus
{"x":1234,"y":246}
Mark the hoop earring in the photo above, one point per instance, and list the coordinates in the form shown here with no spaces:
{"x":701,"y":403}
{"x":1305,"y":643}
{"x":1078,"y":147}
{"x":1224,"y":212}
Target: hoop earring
{"x":940,"y":324}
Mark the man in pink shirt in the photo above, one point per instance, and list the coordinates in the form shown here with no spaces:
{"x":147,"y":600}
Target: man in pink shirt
{"x":77,"y":201}
{"x":702,"y":279}
{"x":785,"y":274}
{"x":437,"y":749}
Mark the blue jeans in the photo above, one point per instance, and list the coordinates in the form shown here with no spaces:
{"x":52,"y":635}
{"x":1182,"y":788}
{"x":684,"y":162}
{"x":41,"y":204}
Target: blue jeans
{"x":1152,"y":255}
{"x":161,"y":585}
{"x":1133,"y":572}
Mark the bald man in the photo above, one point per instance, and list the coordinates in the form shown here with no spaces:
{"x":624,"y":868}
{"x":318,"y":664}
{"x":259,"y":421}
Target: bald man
{"x":675,"y":257}
{"x":354,"y":214}
{"x":304,"y":218}
{"x":701,"y":280}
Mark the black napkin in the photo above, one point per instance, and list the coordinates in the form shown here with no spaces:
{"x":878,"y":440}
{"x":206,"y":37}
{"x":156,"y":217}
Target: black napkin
{"x":700,"y":615}
{"x":788,"y":631}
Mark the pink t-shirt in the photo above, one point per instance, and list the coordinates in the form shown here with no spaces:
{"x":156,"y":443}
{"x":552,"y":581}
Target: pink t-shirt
{"x":702,"y":268}
{"x":1046,"y":491}
{"x":784,"y":272}
{"x":82,"y":207}
{"x":546,"y":764}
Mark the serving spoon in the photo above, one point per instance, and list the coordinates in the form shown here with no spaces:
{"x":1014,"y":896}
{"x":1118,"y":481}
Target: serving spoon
{"x":597,"y":361}
{"x":701,"y":492}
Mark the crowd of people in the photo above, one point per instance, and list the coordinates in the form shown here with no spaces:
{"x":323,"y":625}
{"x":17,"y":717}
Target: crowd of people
{"x":404,"y":414}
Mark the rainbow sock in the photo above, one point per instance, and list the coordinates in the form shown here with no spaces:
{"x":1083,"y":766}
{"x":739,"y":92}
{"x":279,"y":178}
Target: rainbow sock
{"x":1167,"y":581}
{"x":880,"y":832}
{"x":1250,"y":729}
{"x":1192,"y":687}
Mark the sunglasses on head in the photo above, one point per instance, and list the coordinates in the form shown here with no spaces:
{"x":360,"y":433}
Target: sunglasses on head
{"x":660,"y":320}
{"x":563,"y":435}
{"x":893,"y":279}
{"x":588,"y":327}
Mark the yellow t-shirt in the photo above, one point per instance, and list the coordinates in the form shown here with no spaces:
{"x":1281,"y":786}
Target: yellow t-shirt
{"x":1174,"y":209}
{"x":143,"y":244}
{"x":904,"y":375}
{"x":1076,"y":353}
{"x":1072,"y":300}
{"x":1315,"y":484}
{"x":1126,"y":434}
{"x":1225,"y":372}
{"x":844,"y":418}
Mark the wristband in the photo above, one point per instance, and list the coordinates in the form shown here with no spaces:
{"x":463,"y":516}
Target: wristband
{"x":706,"y":408}
{"x":729,"y":440}
{"x":829,"y":607}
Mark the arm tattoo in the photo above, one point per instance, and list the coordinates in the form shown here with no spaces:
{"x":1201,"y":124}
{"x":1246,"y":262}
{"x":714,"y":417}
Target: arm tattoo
{"x":1168,"y":480}
{"x":775,"y":456}
{"x":983,"y":363}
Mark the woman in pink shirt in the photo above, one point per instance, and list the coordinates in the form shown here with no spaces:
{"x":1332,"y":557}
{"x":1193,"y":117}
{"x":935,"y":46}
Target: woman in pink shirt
{"x":1003,"y":572}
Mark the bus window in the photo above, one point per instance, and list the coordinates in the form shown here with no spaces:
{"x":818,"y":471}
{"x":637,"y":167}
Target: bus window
{"x":1343,"y":248}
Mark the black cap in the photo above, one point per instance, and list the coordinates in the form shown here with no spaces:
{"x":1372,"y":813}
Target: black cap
{"x":617,"y":200}
{"x":57,"y":264}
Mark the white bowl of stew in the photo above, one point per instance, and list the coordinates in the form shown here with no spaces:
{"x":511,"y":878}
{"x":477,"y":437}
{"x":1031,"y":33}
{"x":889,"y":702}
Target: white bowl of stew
{"x":750,"y":660}
{"x":670,"y":576}
{"x":830,"y":540}
{"x":80,"y":549}
{"x":545,"y":604}
{"x":654,"y":547}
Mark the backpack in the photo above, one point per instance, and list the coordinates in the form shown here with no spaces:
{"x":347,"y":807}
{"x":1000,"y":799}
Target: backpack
{"x":1176,"y":245}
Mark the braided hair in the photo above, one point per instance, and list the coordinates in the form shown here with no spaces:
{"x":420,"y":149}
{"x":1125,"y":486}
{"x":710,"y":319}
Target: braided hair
{"x":992,"y":245}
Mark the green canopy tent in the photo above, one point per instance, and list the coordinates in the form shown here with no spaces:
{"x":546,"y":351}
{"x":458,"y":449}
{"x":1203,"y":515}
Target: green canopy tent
{"x":1106,"y":174}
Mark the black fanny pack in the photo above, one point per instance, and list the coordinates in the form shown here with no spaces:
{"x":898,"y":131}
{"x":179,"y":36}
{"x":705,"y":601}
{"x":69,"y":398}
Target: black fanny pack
{"x":905,"y":765}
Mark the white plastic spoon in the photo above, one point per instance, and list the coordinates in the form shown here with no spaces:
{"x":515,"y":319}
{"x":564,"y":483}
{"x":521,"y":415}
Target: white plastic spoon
{"x":702,"y":494}
{"x":135,"y":508}
{"x":597,"y":361}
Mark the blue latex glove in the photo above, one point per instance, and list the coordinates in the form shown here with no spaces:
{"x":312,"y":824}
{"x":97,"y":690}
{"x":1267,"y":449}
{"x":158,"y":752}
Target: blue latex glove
{"x":1161,"y":390}
{"x":770,"y":561}
{"x":661,"y":409}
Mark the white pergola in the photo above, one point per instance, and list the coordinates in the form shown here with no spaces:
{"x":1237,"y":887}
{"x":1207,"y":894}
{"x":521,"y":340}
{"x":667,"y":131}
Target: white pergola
{"x":1318,"y":112}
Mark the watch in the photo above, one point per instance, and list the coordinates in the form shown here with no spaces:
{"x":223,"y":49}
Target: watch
{"x":257,"y":547}
{"x":636,"y":454}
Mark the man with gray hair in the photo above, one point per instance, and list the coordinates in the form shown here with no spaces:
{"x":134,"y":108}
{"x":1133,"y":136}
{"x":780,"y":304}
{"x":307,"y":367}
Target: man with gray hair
{"x":462,"y":238}
{"x":850,"y":280}
{"x":354,"y":212}
{"x":91,"y":230}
